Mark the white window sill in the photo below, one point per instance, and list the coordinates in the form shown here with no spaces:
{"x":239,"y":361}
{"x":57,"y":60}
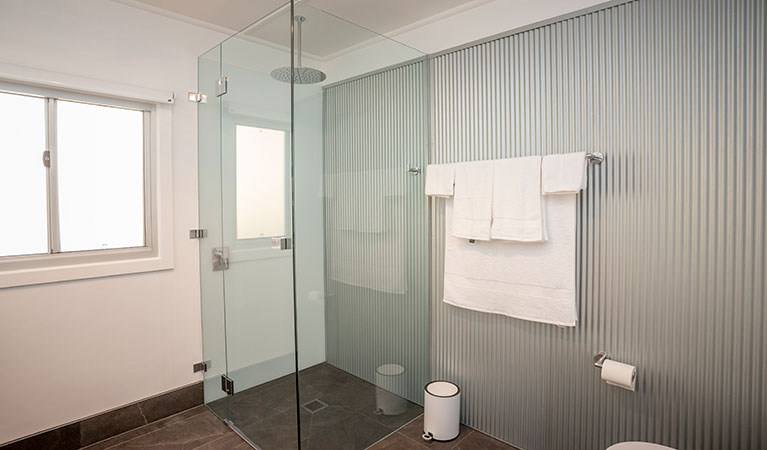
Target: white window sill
{"x":75,"y":271}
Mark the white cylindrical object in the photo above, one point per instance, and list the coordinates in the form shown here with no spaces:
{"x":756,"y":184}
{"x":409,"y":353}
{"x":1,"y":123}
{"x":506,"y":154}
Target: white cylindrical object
{"x":619,"y":374}
{"x":390,"y":379}
{"x":441,"y":410}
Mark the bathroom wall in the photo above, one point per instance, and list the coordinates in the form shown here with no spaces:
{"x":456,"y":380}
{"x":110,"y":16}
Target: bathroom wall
{"x":671,"y":235}
{"x":69,"y":350}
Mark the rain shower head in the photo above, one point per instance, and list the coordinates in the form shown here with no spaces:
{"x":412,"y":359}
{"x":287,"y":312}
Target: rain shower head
{"x":301,"y":75}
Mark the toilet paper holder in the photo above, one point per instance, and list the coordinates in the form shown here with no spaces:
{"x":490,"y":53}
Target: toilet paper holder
{"x":599,"y":359}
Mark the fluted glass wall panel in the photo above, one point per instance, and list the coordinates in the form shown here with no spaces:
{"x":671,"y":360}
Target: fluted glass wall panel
{"x":671,"y":229}
{"x":376,"y":227}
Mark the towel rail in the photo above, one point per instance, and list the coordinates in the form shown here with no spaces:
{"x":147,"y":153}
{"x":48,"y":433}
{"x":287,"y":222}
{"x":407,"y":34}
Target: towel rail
{"x":596,"y":157}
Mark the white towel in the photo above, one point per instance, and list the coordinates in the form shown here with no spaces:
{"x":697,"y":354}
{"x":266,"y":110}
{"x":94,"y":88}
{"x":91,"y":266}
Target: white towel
{"x":531,"y":281}
{"x":473,"y":200}
{"x":440,"y":179}
{"x":564,"y":173}
{"x":517,"y":200}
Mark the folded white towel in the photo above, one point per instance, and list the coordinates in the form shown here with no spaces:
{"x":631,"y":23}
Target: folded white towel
{"x":439,"y":180}
{"x":564,"y":173}
{"x":531,"y":281}
{"x":473,"y":200}
{"x":517,"y":200}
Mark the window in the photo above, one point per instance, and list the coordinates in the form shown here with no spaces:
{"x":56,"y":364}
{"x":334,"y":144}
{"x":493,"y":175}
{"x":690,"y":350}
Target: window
{"x":262,"y":182}
{"x":72,"y":175}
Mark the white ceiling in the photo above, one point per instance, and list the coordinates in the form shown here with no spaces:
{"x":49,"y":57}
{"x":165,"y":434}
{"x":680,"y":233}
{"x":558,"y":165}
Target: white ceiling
{"x":343,"y":23}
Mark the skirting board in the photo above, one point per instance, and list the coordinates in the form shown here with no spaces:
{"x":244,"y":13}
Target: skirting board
{"x":111,"y":423}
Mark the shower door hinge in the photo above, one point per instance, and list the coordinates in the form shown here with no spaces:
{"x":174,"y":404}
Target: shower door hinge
{"x":47,"y":158}
{"x":200,"y":366}
{"x":227,"y":385}
{"x":197,"y":97}
{"x":197,"y":233}
{"x":222,"y":86}
{"x":283,"y":243}
{"x":220,"y":258}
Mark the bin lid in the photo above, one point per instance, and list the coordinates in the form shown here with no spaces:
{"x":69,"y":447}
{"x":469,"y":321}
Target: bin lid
{"x":442,"y":389}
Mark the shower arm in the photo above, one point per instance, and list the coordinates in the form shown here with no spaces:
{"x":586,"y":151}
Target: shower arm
{"x":299,"y":20}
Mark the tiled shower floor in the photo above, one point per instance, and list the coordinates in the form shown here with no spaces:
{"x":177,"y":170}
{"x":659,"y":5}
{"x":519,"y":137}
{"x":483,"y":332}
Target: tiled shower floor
{"x":267,"y":413}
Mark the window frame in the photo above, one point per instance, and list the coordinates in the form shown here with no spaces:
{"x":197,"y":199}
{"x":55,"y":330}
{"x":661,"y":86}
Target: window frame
{"x":157,"y":251}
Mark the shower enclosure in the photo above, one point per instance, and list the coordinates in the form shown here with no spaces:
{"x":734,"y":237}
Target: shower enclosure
{"x":313,"y":133}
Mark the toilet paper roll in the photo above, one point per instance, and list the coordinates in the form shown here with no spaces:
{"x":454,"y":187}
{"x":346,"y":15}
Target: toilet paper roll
{"x":619,"y":374}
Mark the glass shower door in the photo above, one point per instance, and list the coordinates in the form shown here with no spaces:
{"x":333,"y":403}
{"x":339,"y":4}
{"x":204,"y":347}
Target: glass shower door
{"x":257,"y":236}
{"x":246,"y":257}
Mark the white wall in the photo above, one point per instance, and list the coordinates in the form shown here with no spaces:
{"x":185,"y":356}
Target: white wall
{"x":69,"y":350}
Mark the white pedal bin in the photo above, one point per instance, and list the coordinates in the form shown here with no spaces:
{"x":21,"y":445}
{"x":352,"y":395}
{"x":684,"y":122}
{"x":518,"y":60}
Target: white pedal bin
{"x":442,"y":411}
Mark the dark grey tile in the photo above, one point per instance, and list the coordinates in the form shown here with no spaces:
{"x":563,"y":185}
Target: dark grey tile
{"x":110,"y":424}
{"x":172,"y":402}
{"x":230,"y":441}
{"x":146,"y":429}
{"x":277,"y":431}
{"x":414,"y":431}
{"x":481,"y":441}
{"x":185,"y":435}
{"x":398,"y":420}
{"x":329,"y":417}
{"x":355,"y":433}
{"x":358,"y":395}
{"x":62,"y":438}
{"x":324,"y":377}
{"x":397,"y":442}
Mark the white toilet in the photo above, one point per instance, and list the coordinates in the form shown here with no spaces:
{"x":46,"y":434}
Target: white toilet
{"x":638,"y":446}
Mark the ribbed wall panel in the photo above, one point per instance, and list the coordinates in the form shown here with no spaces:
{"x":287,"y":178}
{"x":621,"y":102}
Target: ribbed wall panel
{"x":671,"y":229}
{"x":376,"y":225}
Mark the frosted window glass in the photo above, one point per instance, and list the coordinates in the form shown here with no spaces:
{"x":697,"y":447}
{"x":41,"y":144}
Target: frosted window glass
{"x":261,"y":182}
{"x":101,"y":177}
{"x":24,"y":217}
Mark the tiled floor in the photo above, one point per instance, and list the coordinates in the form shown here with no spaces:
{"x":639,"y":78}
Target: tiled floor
{"x":350,"y":421}
{"x":409,"y":438}
{"x":267,"y":414}
{"x":196,"y":428}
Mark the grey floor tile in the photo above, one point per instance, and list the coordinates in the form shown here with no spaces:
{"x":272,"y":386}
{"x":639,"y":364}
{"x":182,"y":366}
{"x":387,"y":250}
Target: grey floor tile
{"x":185,"y":435}
{"x":328,"y":417}
{"x":481,"y":441}
{"x":146,"y":429}
{"x":414,"y":431}
{"x":230,"y":441}
{"x":398,"y":420}
{"x":398,"y":442}
{"x":356,"y":433}
{"x":275,"y":432}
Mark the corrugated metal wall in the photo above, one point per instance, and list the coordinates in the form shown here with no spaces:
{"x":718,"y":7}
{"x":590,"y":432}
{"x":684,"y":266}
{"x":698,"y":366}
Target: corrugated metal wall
{"x":671,"y":228}
{"x":376,"y":226}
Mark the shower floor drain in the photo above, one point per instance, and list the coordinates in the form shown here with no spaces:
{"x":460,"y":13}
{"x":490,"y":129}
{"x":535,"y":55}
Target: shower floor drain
{"x":314,"y":406}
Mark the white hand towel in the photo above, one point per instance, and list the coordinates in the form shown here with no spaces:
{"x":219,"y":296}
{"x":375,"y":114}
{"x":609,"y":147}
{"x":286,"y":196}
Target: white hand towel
{"x":473,"y":200}
{"x":517,"y":200}
{"x":531,"y":281}
{"x":564,"y":174}
{"x":440,"y":179}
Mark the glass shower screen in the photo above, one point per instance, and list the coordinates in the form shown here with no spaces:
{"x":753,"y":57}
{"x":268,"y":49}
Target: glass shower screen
{"x":314,"y":263}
